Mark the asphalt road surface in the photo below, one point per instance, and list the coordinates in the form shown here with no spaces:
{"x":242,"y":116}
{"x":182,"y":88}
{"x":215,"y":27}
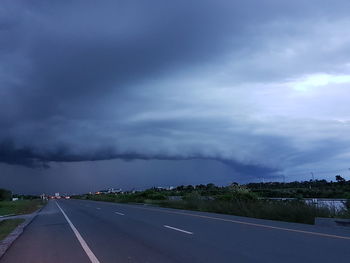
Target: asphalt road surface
{"x":87,"y":231}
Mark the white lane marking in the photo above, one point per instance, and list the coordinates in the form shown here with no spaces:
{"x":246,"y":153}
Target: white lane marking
{"x":82,"y":242}
{"x":98,"y":208}
{"x":178,"y":229}
{"x":121,"y":214}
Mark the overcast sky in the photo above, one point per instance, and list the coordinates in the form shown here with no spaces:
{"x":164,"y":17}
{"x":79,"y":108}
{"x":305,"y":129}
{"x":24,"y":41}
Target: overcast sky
{"x":136,"y":93}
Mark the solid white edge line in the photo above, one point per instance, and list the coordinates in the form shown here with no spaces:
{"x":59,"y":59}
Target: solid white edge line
{"x":82,"y":242}
{"x":121,"y":214}
{"x":178,"y":229}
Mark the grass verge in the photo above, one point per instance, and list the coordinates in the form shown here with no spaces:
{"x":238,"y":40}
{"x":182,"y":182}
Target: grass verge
{"x":19,"y":207}
{"x":8,"y":225}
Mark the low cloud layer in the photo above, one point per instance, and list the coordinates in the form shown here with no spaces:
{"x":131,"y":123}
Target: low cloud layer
{"x":260,"y":86}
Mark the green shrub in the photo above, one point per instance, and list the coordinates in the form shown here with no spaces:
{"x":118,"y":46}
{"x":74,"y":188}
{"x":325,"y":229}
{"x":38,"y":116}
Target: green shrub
{"x":153,"y":195}
{"x":237,"y":192}
{"x":347,"y":204}
{"x":5,"y":195}
{"x":192,"y":196}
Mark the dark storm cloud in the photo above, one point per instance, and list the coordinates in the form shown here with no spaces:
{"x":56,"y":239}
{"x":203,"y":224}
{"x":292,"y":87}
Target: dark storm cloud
{"x":67,"y":56}
{"x":84,"y":81}
{"x":72,"y":53}
{"x":27,"y":157}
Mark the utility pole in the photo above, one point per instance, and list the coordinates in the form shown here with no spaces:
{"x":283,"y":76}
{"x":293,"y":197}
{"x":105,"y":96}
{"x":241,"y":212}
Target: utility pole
{"x":312,"y":175}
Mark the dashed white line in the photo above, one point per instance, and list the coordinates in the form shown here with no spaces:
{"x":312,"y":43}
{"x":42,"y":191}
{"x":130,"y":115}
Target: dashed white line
{"x":178,"y":229}
{"x":98,"y":208}
{"x":121,"y":214}
{"x":82,"y":242}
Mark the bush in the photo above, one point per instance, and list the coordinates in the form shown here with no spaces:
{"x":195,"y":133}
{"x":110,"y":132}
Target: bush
{"x":192,"y":196}
{"x":5,"y":195}
{"x":153,"y":195}
{"x":237,"y":196}
{"x":237,"y":192}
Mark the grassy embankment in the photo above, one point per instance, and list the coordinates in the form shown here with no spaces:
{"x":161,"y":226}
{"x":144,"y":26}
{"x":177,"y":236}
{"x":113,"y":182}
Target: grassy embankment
{"x":19,"y":207}
{"x":8,"y":225}
{"x":237,"y":201}
{"x":16,"y":208}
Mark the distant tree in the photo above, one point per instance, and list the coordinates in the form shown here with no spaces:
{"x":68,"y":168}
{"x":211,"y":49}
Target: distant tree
{"x":340,"y":179}
{"x":5,"y":194}
{"x":180,"y":188}
{"x":201,"y":187}
{"x":189,"y":187}
{"x":210,"y":186}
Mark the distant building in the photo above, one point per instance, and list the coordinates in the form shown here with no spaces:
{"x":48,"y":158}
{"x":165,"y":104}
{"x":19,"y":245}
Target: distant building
{"x":112,"y":190}
{"x":109,"y":191}
{"x":165,"y":187}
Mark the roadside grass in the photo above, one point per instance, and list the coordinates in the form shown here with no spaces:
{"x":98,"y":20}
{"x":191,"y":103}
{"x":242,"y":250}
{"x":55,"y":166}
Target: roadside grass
{"x":19,"y":207}
{"x":8,"y":225}
{"x":290,"y":211}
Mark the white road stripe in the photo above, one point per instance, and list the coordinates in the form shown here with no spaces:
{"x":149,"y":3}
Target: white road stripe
{"x":178,"y":229}
{"x":82,"y":242}
{"x":121,"y":214}
{"x":98,"y":208}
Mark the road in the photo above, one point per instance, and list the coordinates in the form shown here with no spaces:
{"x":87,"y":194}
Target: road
{"x":88,"y":231}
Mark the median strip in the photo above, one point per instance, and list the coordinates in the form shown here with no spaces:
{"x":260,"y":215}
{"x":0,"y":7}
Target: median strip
{"x":82,"y":242}
{"x":178,"y":229}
